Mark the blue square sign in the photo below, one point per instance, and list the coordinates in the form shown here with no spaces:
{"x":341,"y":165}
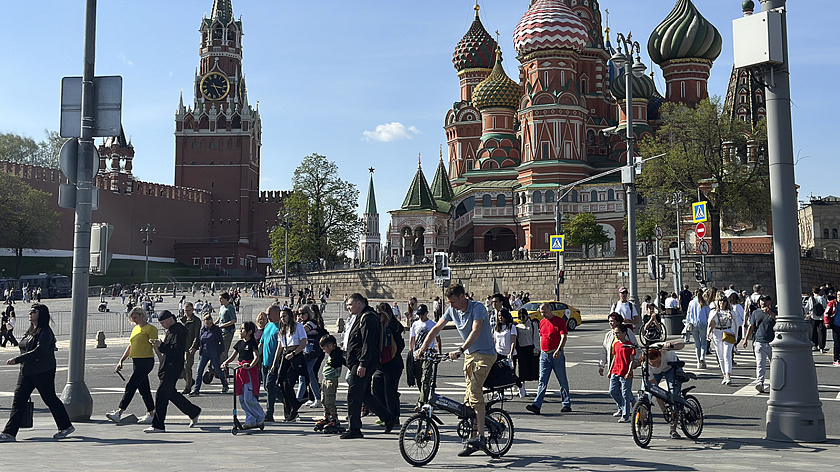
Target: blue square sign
{"x":558,"y":242}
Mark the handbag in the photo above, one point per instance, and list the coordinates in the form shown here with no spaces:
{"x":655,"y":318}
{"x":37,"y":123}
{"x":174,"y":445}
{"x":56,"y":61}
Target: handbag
{"x":729,"y":337}
{"x":28,"y":412}
{"x":208,"y":376}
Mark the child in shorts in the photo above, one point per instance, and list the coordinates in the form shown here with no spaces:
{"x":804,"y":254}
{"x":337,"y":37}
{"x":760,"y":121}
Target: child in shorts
{"x":334,"y":359}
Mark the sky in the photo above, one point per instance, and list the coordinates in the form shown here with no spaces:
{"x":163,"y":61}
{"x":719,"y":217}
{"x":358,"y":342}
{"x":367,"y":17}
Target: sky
{"x":366,"y":83}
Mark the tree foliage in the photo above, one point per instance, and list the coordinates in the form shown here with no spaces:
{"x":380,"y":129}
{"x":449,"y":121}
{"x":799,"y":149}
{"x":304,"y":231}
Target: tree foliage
{"x":582,"y":230}
{"x":29,"y":221}
{"x":323,"y":222}
{"x":24,"y":150}
{"x":703,"y":149}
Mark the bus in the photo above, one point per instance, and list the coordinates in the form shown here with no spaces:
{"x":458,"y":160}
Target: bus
{"x":52,"y":285}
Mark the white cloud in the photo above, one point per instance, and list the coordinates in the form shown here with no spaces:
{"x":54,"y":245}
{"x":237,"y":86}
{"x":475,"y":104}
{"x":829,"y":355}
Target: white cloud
{"x":125,"y":60}
{"x":391,"y":132}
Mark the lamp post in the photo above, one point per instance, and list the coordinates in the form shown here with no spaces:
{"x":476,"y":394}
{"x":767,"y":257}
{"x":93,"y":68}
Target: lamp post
{"x":624,"y":58}
{"x":794,"y":411}
{"x":147,"y":230}
{"x":286,"y":227}
{"x":677,"y":200}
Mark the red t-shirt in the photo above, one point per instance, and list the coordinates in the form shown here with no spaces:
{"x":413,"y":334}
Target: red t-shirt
{"x":550,"y":330}
{"x":623,"y":358}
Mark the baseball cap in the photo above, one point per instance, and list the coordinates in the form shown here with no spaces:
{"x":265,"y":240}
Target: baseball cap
{"x":622,"y":290}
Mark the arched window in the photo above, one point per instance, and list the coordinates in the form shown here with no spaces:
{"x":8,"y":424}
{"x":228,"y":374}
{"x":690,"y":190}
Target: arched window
{"x":610,"y":194}
{"x":487,"y":202}
{"x":212,"y":144}
{"x":549,"y":196}
{"x":537,"y":197}
{"x":825,"y":233}
{"x":593,"y":196}
{"x":574,"y":196}
{"x":501,"y":201}
{"x":834,"y":233}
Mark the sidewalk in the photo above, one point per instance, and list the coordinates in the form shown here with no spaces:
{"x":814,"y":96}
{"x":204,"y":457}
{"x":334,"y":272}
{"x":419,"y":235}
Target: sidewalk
{"x":545,"y":442}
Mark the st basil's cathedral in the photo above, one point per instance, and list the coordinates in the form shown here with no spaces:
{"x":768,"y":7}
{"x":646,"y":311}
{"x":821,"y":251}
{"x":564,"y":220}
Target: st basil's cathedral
{"x":511,"y":143}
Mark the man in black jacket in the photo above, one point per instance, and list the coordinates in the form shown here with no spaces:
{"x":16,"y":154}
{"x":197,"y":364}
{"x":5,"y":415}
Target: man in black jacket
{"x":364,"y":349}
{"x":170,"y":354}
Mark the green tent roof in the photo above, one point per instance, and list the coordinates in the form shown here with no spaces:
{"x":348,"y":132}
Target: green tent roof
{"x":419,"y":196}
{"x":370,"y":205}
{"x":222,"y":11}
{"x":441,"y":187}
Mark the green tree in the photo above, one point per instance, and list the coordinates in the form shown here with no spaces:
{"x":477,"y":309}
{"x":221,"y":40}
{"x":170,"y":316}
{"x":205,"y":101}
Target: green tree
{"x":703,"y":149}
{"x":323,"y":218}
{"x":582,"y":230}
{"x":30,"y":221}
{"x":16,"y":148}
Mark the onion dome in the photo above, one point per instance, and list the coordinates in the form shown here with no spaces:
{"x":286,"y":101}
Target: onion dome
{"x":684,"y":34}
{"x":475,"y":50}
{"x":497,"y":90}
{"x":549,"y":24}
{"x":643,"y":87}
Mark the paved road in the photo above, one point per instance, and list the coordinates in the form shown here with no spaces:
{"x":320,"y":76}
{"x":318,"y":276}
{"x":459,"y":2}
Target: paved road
{"x":586,"y":439}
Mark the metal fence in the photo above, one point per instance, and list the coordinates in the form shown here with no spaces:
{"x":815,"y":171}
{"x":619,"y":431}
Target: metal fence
{"x":117,"y":323}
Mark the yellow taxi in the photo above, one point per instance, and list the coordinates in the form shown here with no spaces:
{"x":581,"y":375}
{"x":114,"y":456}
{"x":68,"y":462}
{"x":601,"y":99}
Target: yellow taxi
{"x":567,"y":312}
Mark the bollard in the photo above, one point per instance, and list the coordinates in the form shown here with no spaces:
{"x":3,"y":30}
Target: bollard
{"x":100,"y":340}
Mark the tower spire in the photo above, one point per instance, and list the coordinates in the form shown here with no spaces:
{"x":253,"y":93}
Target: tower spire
{"x":222,"y":11}
{"x":370,"y":204}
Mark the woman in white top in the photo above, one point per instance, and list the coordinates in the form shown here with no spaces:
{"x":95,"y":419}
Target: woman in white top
{"x":722,"y":321}
{"x":738,"y":313}
{"x":291,"y":343}
{"x":505,"y":335}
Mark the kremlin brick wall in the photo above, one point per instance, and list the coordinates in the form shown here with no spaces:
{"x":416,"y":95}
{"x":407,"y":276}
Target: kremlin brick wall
{"x":590,"y":284}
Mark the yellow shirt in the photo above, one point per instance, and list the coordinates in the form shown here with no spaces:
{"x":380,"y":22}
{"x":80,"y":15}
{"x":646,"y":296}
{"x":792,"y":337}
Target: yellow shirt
{"x":140,"y":346}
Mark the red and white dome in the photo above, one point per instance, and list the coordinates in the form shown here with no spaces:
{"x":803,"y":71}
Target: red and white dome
{"x":549,"y":24}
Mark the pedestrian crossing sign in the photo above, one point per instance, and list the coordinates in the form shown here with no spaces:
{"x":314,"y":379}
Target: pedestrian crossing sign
{"x":558,"y":242}
{"x":700,"y":213}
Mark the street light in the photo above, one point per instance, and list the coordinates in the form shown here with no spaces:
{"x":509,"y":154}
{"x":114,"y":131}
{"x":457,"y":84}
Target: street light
{"x":623,"y":57}
{"x":147,"y":241}
{"x":286,"y":228}
{"x":676,"y":200}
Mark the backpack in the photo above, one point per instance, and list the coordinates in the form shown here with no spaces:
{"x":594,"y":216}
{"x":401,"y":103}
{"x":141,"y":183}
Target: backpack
{"x":817,"y":310}
{"x":389,"y":346}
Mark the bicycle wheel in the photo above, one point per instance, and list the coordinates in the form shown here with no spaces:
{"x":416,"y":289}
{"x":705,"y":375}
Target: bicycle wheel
{"x":419,"y":440}
{"x":500,"y":441}
{"x":691,"y":417}
{"x":642,"y":423}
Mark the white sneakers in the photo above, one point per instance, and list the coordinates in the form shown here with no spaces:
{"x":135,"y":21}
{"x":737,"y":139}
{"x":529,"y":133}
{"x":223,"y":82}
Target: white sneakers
{"x":145,"y":419}
{"x":315,"y":404}
{"x":114,"y":416}
{"x":152,"y":429}
{"x":194,"y":421}
{"x":522,"y":392}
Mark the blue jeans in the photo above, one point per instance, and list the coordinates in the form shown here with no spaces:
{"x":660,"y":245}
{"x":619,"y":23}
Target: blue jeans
{"x":670,"y":376}
{"x":548,"y":364}
{"x":271,"y":389}
{"x":621,"y":390}
{"x":215,"y":363}
{"x":313,"y":382}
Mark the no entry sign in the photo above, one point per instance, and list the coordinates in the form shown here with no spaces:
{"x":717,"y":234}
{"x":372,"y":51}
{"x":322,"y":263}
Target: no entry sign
{"x":700,"y":230}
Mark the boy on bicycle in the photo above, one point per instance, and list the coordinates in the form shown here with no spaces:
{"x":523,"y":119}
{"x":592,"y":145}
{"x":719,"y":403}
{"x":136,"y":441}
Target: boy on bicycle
{"x":472,"y":322}
{"x":661,"y":354}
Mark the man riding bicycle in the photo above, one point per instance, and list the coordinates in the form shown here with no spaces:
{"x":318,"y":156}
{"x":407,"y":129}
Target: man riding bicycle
{"x":472,"y":322}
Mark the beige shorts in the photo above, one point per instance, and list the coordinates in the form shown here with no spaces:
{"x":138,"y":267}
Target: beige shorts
{"x":476,"y":368}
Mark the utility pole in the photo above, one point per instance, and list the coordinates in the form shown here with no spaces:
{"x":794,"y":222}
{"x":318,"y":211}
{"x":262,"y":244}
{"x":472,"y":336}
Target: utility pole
{"x":76,"y":396}
{"x":147,"y":230}
{"x":794,"y":411}
{"x":561,"y":258}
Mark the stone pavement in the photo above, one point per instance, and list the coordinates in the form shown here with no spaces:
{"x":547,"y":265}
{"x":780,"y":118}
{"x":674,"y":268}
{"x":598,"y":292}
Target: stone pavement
{"x":546,"y":442}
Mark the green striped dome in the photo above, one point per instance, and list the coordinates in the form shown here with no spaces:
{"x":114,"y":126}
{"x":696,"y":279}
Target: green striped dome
{"x":497,"y":90}
{"x":643,"y":87}
{"x":684,"y":34}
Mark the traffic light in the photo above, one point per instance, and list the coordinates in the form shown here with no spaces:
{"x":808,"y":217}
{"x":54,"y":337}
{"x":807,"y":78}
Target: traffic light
{"x":698,"y":272}
{"x":561,"y":277}
{"x":100,"y":258}
{"x":441,"y":267}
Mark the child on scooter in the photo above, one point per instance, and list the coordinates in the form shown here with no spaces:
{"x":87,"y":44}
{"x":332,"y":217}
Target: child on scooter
{"x":247,"y":381}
